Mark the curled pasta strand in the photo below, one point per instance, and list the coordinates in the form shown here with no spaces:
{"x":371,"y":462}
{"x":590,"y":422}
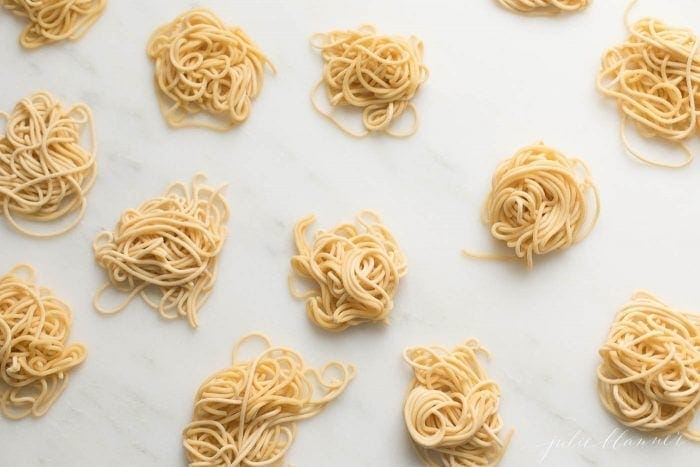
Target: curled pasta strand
{"x":451,"y":407}
{"x":355,"y":269}
{"x":246,"y":415}
{"x":170,"y":245}
{"x":649,"y":375}
{"x":538,"y":204}
{"x":35,"y":358}
{"x":376,"y":73}
{"x":52,"y":21}
{"x":203,"y":65}
{"x":45,"y":171}
{"x":545,"y":7}
{"x":655,"y":78}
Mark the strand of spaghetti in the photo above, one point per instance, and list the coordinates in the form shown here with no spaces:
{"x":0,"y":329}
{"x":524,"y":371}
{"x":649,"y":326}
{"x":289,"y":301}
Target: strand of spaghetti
{"x":204,"y":65}
{"x":54,"y":20}
{"x":170,"y":244}
{"x":649,"y":376}
{"x":655,"y":78}
{"x":246,"y":415}
{"x":376,"y":73}
{"x":35,"y":357}
{"x":45,"y":172}
{"x":544,"y":7}
{"x":538,"y":204}
{"x":356,"y":272}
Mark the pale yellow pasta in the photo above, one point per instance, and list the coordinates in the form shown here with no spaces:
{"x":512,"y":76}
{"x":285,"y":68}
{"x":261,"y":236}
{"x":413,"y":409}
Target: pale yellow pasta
{"x":544,"y":6}
{"x":35,"y":357}
{"x":538,"y":203}
{"x":451,"y":408}
{"x":375,"y":73}
{"x":355,"y":270}
{"x":655,"y":78}
{"x":45,"y":168}
{"x":649,"y":376}
{"x":204,"y":65}
{"x":169,"y":245}
{"x":246,"y":415}
{"x":54,"y":20}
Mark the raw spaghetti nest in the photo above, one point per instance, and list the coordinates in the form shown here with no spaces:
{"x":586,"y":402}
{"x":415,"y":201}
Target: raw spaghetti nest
{"x":45,"y":170}
{"x":649,"y":378}
{"x":655,"y":78}
{"x":451,"y":408}
{"x":378,"y":74}
{"x":54,"y":20}
{"x":356,"y":269}
{"x":35,"y":357}
{"x":170,"y":244}
{"x":246,"y":414}
{"x":544,"y":6}
{"x":201,"y":64}
{"x":538,"y":203}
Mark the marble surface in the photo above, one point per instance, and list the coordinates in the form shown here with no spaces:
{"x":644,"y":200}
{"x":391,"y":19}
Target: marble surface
{"x":498,"y":82}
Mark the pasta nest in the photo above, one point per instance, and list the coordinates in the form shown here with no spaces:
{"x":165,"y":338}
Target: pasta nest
{"x":54,"y":20}
{"x":35,"y":357}
{"x":545,"y":6}
{"x":649,"y":377}
{"x":45,"y":172}
{"x":655,"y":78}
{"x":451,"y":408}
{"x":537,"y":202}
{"x":377,"y":73}
{"x":356,"y":268}
{"x":169,"y":243}
{"x":201,"y":64}
{"x":246,"y":414}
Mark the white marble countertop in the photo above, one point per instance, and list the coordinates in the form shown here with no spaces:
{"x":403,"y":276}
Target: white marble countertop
{"x":498,"y":82}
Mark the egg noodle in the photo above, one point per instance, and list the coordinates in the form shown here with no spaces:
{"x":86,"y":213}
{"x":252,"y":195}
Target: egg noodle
{"x":376,"y":73}
{"x":169,"y":244}
{"x":35,"y":357}
{"x":649,"y":377}
{"x":246,"y":415}
{"x":355,"y":269}
{"x":45,"y":169}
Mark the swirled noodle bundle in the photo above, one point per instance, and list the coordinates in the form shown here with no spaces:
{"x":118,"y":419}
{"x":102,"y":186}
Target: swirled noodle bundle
{"x":649,"y":377}
{"x":246,"y":414}
{"x":544,"y":6}
{"x":356,"y":269}
{"x":655,"y":78}
{"x":45,"y":170}
{"x":201,"y":64}
{"x":35,"y":357}
{"x":170,"y":244}
{"x":376,"y":73}
{"x":54,"y":20}
{"x":451,"y":408}
{"x":538,"y":203}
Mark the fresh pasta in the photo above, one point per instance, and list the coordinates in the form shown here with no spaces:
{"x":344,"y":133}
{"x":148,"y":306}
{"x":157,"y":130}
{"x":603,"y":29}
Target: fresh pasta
{"x":649,"y":376}
{"x":170,"y":245}
{"x":45,"y":169}
{"x":376,"y":73}
{"x":203,"y":65}
{"x":544,"y":6}
{"x":538,"y":203}
{"x":355,"y":269}
{"x":35,"y":357}
{"x":246,"y":415}
{"x":655,"y":78}
{"x":54,"y":20}
{"x":451,"y":408}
